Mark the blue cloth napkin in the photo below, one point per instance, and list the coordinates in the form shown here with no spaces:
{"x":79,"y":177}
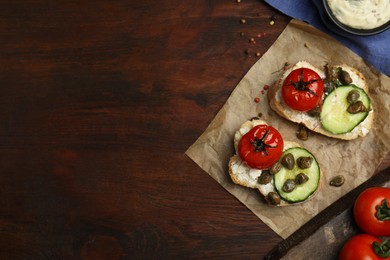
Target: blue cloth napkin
{"x":375,"y":49}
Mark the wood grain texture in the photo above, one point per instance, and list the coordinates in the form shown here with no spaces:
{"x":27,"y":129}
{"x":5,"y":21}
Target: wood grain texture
{"x":100,"y":100}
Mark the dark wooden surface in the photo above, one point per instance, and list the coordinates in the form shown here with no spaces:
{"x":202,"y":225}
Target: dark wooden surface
{"x":99,"y":101}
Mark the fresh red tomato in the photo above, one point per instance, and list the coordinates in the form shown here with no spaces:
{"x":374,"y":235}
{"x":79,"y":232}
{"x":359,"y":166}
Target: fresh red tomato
{"x":362,"y":246}
{"x":261,"y":147}
{"x":302,"y":89}
{"x":372,"y":212}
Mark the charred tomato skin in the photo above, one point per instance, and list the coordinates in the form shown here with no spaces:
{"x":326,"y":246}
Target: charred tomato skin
{"x":302,"y":89}
{"x":261,"y":147}
{"x":365,"y":211}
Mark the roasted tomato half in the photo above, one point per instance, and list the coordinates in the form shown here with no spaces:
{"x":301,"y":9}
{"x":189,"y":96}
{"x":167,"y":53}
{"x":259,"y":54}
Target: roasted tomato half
{"x":302,"y":89}
{"x":261,"y":147}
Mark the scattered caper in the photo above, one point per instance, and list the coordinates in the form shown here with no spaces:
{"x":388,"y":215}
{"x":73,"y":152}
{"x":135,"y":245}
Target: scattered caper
{"x":289,"y":185}
{"x":303,"y":133}
{"x":301,"y":178}
{"x":275,"y":168}
{"x":265,"y":177}
{"x":357,"y":107}
{"x":254,"y":118}
{"x":344,"y":77}
{"x":353,"y":96}
{"x":314,"y":111}
{"x":273,"y":198}
{"x":304,"y":162}
{"x":288,"y":161}
{"x":337,"y":181}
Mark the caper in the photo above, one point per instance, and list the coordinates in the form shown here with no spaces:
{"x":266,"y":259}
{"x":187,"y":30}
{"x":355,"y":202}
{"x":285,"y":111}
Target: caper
{"x":328,"y":86}
{"x":288,"y":161}
{"x":344,"y":77}
{"x":314,"y":112}
{"x":289,"y":185}
{"x":275,"y":168}
{"x":273,"y":198}
{"x":353,"y":96}
{"x":301,"y":178}
{"x":337,"y":181}
{"x":265,"y":177}
{"x":331,"y":72}
{"x":304,"y":162}
{"x":303,"y":133}
{"x":357,"y":107}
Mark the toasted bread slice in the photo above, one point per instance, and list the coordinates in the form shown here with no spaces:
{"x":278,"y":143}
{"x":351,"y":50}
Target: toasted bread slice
{"x":243,"y":175}
{"x":313,"y":123}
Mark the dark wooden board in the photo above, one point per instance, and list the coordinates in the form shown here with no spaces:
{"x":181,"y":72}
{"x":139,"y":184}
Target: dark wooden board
{"x":324,"y":235}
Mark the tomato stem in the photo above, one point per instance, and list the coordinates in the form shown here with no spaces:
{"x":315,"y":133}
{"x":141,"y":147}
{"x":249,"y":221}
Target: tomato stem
{"x":302,"y":84}
{"x":383,"y":211}
{"x":260,"y":145}
{"x":381,"y":249}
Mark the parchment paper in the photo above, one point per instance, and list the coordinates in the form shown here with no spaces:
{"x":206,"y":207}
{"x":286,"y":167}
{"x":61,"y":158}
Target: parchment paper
{"x":357,"y":160}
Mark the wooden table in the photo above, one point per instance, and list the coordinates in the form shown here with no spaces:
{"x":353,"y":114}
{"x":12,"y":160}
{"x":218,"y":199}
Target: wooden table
{"x":100,"y":100}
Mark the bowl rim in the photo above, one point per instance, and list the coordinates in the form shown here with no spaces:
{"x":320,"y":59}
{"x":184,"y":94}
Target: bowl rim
{"x":351,"y":30}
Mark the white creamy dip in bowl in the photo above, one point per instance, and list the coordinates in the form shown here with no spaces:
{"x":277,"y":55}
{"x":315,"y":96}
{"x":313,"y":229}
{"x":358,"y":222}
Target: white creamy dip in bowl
{"x":362,"y":17}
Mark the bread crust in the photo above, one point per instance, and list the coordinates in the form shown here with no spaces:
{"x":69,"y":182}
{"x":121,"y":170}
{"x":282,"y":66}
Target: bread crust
{"x":313,"y":123}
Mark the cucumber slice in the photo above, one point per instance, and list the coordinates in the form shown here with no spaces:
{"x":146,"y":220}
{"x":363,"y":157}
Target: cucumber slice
{"x":301,"y":191}
{"x":334,"y":115}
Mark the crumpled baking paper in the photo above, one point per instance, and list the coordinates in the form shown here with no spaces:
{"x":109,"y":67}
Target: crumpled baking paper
{"x":356,"y":160}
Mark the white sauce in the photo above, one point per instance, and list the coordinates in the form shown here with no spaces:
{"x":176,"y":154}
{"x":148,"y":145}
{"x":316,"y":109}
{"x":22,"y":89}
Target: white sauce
{"x":244,"y":173}
{"x":361,"y":14}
